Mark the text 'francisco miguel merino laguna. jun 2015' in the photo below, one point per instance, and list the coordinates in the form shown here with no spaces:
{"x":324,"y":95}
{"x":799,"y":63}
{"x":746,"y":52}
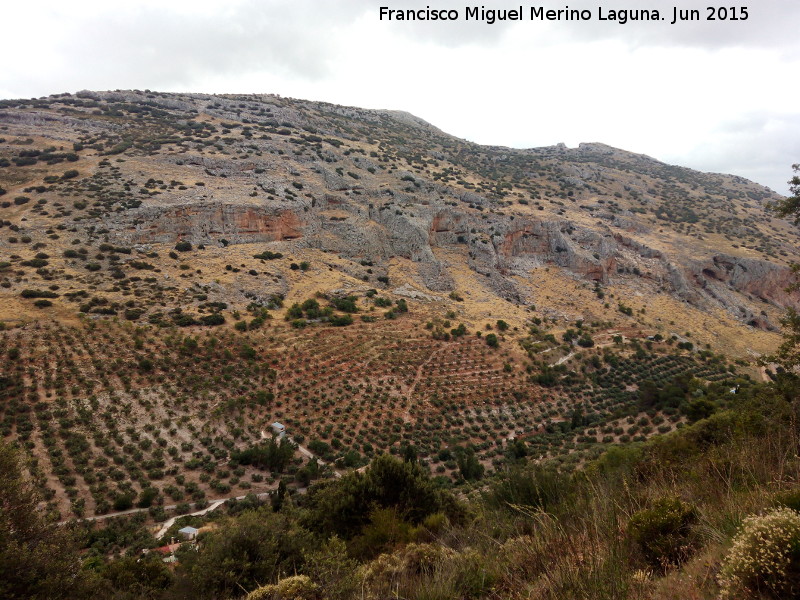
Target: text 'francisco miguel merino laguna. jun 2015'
{"x":621,"y":16}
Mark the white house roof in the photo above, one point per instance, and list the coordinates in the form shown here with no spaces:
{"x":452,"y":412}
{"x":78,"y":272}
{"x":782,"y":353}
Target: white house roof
{"x":188,"y":530}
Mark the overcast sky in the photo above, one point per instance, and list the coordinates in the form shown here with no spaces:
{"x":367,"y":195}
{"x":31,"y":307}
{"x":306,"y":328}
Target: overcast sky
{"x":712,"y":95}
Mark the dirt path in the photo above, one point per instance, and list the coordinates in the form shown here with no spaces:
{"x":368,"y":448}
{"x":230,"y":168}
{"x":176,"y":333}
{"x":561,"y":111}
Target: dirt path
{"x":564,"y":359}
{"x":418,"y":376}
{"x":171,"y":521}
{"x":215,"y":504}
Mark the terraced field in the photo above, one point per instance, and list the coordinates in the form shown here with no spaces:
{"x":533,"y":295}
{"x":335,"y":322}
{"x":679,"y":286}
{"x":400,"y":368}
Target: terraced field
{"x":114,"y":414}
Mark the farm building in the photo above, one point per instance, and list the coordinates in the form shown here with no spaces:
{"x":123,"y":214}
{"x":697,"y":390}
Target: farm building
{"x":278,"y":429}
{"x":188,"y":533}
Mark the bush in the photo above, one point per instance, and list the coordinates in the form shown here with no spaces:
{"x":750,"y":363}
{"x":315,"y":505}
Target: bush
{"x":212,"y":319}
{"x":123,"y":502}
{"x":257,"y":546}
{"x":764,"y":560}
{"x":132,"y":314}
{"x":296,"y":587}
{"x":789,"y":499}
{"x":147,"y":497}
{"x":532,"y":485}
{"x":341,"y":320}
{"x":183,"y":246}
{"x":664,"y":532}
{"x":347,"y":304}
{"x":38,"y":294}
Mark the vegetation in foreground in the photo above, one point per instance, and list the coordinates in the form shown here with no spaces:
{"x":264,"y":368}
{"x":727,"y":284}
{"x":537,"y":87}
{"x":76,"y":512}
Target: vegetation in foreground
{"x":680,"y":515}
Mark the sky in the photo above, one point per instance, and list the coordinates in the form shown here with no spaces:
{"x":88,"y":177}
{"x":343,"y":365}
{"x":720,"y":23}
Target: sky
{"x":717,"y":96}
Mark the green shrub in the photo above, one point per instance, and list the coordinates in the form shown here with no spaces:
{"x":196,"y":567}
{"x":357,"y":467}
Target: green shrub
{"x":664,"y":532}
{"x":341,"y":320}
{"x":268,"y":255}
{"x":764,"y":560}
{"x":183,"y":246}
{"x":212,"y":319}
{"x":38,"y":294}
{"x":123,"y":502}
{"x":532,"y":485}
{"x":789,"y":499}
{"x":132,"y":314}
{"x":347,"y":304}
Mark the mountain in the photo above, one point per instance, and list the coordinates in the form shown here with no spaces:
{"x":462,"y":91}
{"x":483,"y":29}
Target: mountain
{"x":362,"y":194}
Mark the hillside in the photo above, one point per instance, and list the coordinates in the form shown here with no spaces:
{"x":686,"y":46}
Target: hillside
{"x":179,"y":271}
{"x":363,"y":196}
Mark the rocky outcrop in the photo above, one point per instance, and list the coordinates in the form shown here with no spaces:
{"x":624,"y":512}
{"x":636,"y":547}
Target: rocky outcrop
{"x":758,"y":278}
{"x":346,"y":227}
{"x":203,"y":223}
{"x":561,"y":243}
{"x":641,"y":249}
{"x":732,"y":282}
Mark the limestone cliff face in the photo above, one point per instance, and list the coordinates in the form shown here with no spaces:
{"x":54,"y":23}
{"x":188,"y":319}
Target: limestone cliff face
{"x":495,"y":246}
{"x":203,"y":223}
{"x":758,"y":278}
{"x":561,"y":243}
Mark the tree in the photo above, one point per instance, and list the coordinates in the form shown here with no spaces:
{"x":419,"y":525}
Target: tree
{"x":790,"y":207}
{"x":245,"y":553}
{"x":468,"y":464}
{"x":137,"y":576}
{"x":788,"y":355}
{"x":37,"y":559}
{"x":343,"y":506}
{"x":409,"y":453}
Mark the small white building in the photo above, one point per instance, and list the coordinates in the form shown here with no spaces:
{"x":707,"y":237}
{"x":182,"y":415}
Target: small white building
{"x":278,"y":429}
{"x":188,"y":533}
